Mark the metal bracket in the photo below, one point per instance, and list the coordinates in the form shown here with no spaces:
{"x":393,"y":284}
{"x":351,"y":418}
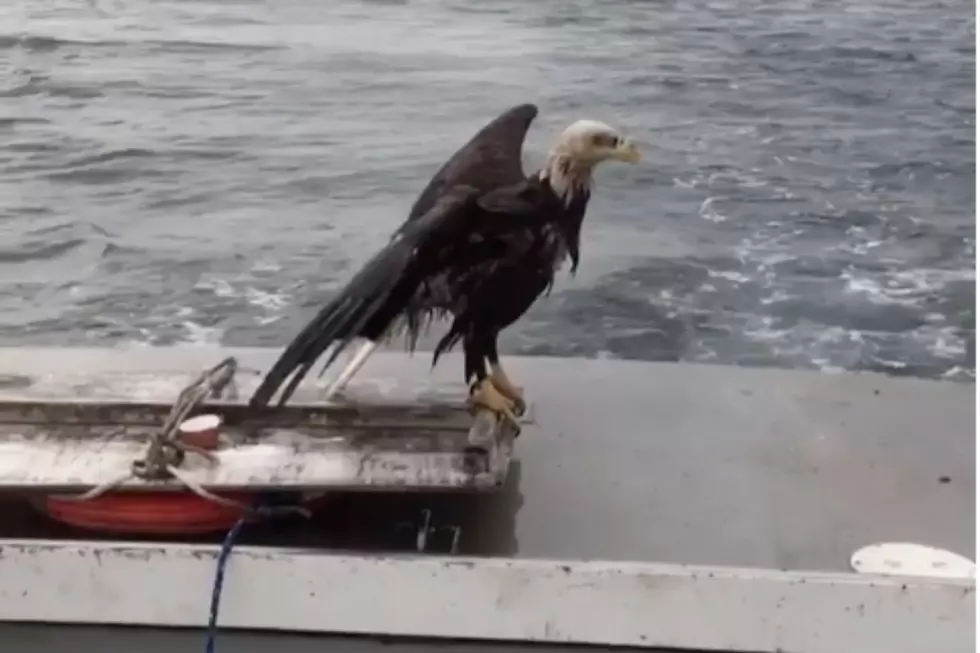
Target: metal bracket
{"x":165,"y":452}
{"x":425,"y":529}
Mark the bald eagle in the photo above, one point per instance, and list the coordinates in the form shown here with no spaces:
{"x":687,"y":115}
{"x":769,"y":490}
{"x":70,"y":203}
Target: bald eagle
{"x":481,"y":243}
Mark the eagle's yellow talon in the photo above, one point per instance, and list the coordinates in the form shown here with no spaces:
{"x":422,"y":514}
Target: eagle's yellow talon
{"x":485,"y":394}
{"x":508,"y":389}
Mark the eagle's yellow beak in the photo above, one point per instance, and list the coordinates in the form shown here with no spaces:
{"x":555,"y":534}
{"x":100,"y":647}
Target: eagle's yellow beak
{"x":627,"y":152}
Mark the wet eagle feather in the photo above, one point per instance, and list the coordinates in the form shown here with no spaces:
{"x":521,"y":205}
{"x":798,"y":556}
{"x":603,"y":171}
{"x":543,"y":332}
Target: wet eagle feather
{"x":481,"y":243}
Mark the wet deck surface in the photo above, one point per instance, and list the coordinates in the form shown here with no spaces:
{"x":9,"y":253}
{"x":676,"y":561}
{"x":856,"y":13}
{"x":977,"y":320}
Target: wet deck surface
{"x":661,"y":462}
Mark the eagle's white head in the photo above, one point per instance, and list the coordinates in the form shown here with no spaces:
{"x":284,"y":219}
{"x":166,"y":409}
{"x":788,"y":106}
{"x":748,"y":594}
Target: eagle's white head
{"x":583,"y":145}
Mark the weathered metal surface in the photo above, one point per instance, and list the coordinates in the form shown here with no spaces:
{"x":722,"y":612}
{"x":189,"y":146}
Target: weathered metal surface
{"x":68,"y":430}
{"x":76,"y":457}
{"x":391,"y":416}
{"x":695,"y":464}
{"x":626,"y":604}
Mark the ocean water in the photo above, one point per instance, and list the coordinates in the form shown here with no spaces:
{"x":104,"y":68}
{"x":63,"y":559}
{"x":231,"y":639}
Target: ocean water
{"x":211,"y":171}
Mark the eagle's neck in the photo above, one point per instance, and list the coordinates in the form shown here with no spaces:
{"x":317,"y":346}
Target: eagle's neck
{"x":567,"y":177}
{"x":571,"y":182}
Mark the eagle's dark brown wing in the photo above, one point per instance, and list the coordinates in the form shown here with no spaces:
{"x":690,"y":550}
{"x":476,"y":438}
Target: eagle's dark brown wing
{"x":491,"y":159}
{"x":436,"y":245}
{"x":475,"y":209}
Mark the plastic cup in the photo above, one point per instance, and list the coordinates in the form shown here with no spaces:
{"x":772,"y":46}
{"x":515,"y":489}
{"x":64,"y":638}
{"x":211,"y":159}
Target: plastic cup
{"x":201,"y":431}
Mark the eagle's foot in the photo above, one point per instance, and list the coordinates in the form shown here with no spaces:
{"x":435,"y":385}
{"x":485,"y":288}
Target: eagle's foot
{"x":508,"y":389}
{"x":486,"y":395}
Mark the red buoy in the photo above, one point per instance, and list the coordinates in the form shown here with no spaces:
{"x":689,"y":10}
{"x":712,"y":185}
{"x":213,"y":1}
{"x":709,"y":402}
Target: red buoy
{"x":147,"y":513}
{"x":160,"y":513}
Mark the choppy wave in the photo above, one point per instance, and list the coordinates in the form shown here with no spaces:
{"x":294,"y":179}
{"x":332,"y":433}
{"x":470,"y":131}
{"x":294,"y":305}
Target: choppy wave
{"x":210,"y":172}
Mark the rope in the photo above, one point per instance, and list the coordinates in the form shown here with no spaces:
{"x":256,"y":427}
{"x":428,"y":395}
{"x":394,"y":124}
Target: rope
{"x":231,"y":503}
{"x":265,"y":508}
{"x":219,"y":580}
{"x":166,"y":452}
{"x":162,"y":460}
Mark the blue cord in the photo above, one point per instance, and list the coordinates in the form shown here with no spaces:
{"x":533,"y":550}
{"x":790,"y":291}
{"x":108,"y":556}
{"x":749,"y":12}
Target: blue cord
{"x":266,"y":505}
{"x":219,"y":580}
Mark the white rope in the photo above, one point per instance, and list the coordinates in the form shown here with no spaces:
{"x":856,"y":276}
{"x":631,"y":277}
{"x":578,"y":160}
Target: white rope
{"x":166,"y":451}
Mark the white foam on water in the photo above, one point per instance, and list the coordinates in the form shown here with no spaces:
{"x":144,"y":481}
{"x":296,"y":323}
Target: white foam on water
{"x":198,"y":334}
{"x":708,"y":212}
{"x":730,"y":275}
{"x":959,"y":373}
{"x":900,"y":287}
{"x":220,"y":287}
{"x":272,"y":302}
{"x":941,"y":342}
{"x":266,"y":266}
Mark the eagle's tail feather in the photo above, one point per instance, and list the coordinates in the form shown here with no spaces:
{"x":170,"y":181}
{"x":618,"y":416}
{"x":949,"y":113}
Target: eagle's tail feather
{"x":385,"y":279}
{"x":339,"y":321}
{"x":353,"y":366}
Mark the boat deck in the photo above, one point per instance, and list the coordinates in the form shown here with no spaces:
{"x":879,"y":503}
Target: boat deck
{"x":658,"y":506}
{"x":687,"y":464}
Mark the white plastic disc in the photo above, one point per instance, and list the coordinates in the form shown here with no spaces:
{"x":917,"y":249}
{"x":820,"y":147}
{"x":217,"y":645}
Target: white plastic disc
{"x":200,"y":424}
{"x":908,"y":559}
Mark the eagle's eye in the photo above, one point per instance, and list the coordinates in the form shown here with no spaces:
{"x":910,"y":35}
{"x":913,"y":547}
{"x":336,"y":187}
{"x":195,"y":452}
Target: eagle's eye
{"x":605,"y":140}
